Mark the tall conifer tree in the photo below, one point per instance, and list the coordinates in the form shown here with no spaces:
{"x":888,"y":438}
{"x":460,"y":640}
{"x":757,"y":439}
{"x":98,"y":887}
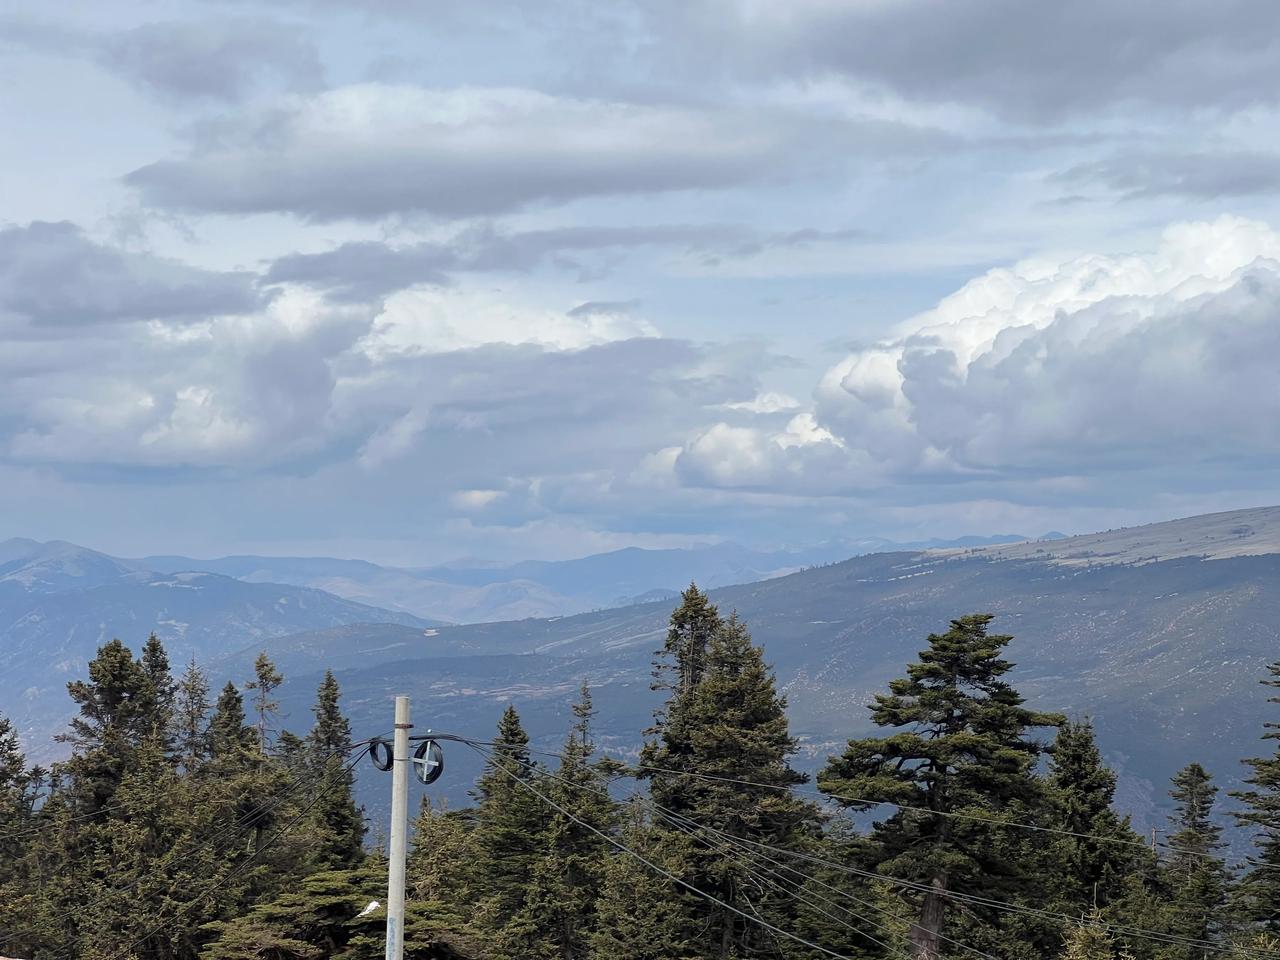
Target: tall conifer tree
{"x":510,"y":820}
{"x":1193,"y":872}
{"x":191,"y":717}
{"x":340,"y":820}
{"x":117,"y":713}
{"x":266,"y":679}
{"x":1259,"y":892}
{"x":559,"y":912}
{"x":1096,"y":850}
{"x":961,"y":743}
{"x":727,"y":723}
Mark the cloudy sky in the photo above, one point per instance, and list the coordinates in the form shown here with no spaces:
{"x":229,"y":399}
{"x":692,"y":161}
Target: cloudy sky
{"x":413,"y":280}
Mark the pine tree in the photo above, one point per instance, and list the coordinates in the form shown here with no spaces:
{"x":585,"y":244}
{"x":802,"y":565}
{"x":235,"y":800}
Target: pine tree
{"x":962,"y":744}
{"x":191,"y":711}
{"x":340,"y":820}
{"x":510,"y":820}
{"x":1259,"y":892}
{"x":730,"y":725}
{"x":155,"y":664}
{"x":1090,"y":941}
{"x":1096,"y":850}
{"x":266,"y":679}
{"x":1193,"y":872}
{"x":117,"y":711}
{"x":642,"y":914}
{"x":559,"y":911}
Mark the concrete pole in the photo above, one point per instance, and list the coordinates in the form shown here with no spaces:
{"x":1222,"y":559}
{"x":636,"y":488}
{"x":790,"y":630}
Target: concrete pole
{"x":399,"y":832}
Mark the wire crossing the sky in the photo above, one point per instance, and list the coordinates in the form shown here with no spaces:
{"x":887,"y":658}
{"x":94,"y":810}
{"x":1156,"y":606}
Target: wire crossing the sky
{"x":956,"y":896}
{"x":862,"y":801}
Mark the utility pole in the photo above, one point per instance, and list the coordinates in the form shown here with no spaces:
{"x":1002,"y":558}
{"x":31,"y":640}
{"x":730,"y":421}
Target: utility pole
{"x":399,"y":831}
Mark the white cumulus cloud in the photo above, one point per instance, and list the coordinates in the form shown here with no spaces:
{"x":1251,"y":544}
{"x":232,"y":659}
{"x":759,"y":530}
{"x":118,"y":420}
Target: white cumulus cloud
{"x":1167,"y":357}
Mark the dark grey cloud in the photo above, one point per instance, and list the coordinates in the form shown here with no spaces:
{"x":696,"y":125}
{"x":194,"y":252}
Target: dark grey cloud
{"x":374,"y":150}
{"x":53,"y":274}
{"x":1204,"y":175}
{"x":222,"y":59}
{"x":1039,"y":65}
{"x":216,"y":59}
{"x":366,"y":270}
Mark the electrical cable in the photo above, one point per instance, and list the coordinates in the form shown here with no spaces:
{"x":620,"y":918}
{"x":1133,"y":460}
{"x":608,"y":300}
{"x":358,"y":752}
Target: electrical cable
{"x":676,"y":818}
{"x":990,"y":903}
{"x":657,"y":869}
{"x":864,"y":802}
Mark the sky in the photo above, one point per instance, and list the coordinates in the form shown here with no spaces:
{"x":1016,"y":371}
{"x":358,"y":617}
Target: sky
{"x":412,"y":281}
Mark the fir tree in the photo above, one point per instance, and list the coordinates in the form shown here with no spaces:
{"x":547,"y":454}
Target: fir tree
{"x":117,"y":712}
{"x":230,"y":741}
{"x":846,"y":912}
{"x":1097,"y":850}
{"x":266,"y":679}
{"x":962,"y":744}
{"x":559,"y":911}
{"x":155,"y":664}
{"x":1259,"y":893}
{"x":683,"y":656}
{"x":317,"y":919}
{"x":439,"y":872}
{"x":510,"y":820}
{"x":191,"y":717}
{"x":340,"y":820}
{"x":1195,"y":876}
{"x":730,"y":725}
{"x":642,"y":914}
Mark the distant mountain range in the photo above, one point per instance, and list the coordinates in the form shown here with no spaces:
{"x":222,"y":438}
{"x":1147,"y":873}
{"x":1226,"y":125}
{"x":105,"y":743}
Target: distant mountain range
{"x":1160,"y":633}
{"x":477,"y":592}
{"x":60,"y":601}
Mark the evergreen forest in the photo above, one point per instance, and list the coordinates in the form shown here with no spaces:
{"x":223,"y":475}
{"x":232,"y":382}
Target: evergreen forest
{"x":184,"y":824}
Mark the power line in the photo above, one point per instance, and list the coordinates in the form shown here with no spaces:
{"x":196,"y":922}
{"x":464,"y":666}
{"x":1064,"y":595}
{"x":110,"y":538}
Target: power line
{"x":990,"y":903}
{"x":683,"y":824}
{"x":1002,"y":905}
{"x":689,"y":823}
{"x":811,"y":879}
{"x":666,"y":873}
{"x":796,"y":893}
{"x":865,"y":802}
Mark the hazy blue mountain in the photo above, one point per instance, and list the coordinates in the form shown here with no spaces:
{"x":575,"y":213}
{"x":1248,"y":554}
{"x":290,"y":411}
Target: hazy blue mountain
{"x":475,"y":592}
{"x":1160,"y":633}
{"x":59,"y":602}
